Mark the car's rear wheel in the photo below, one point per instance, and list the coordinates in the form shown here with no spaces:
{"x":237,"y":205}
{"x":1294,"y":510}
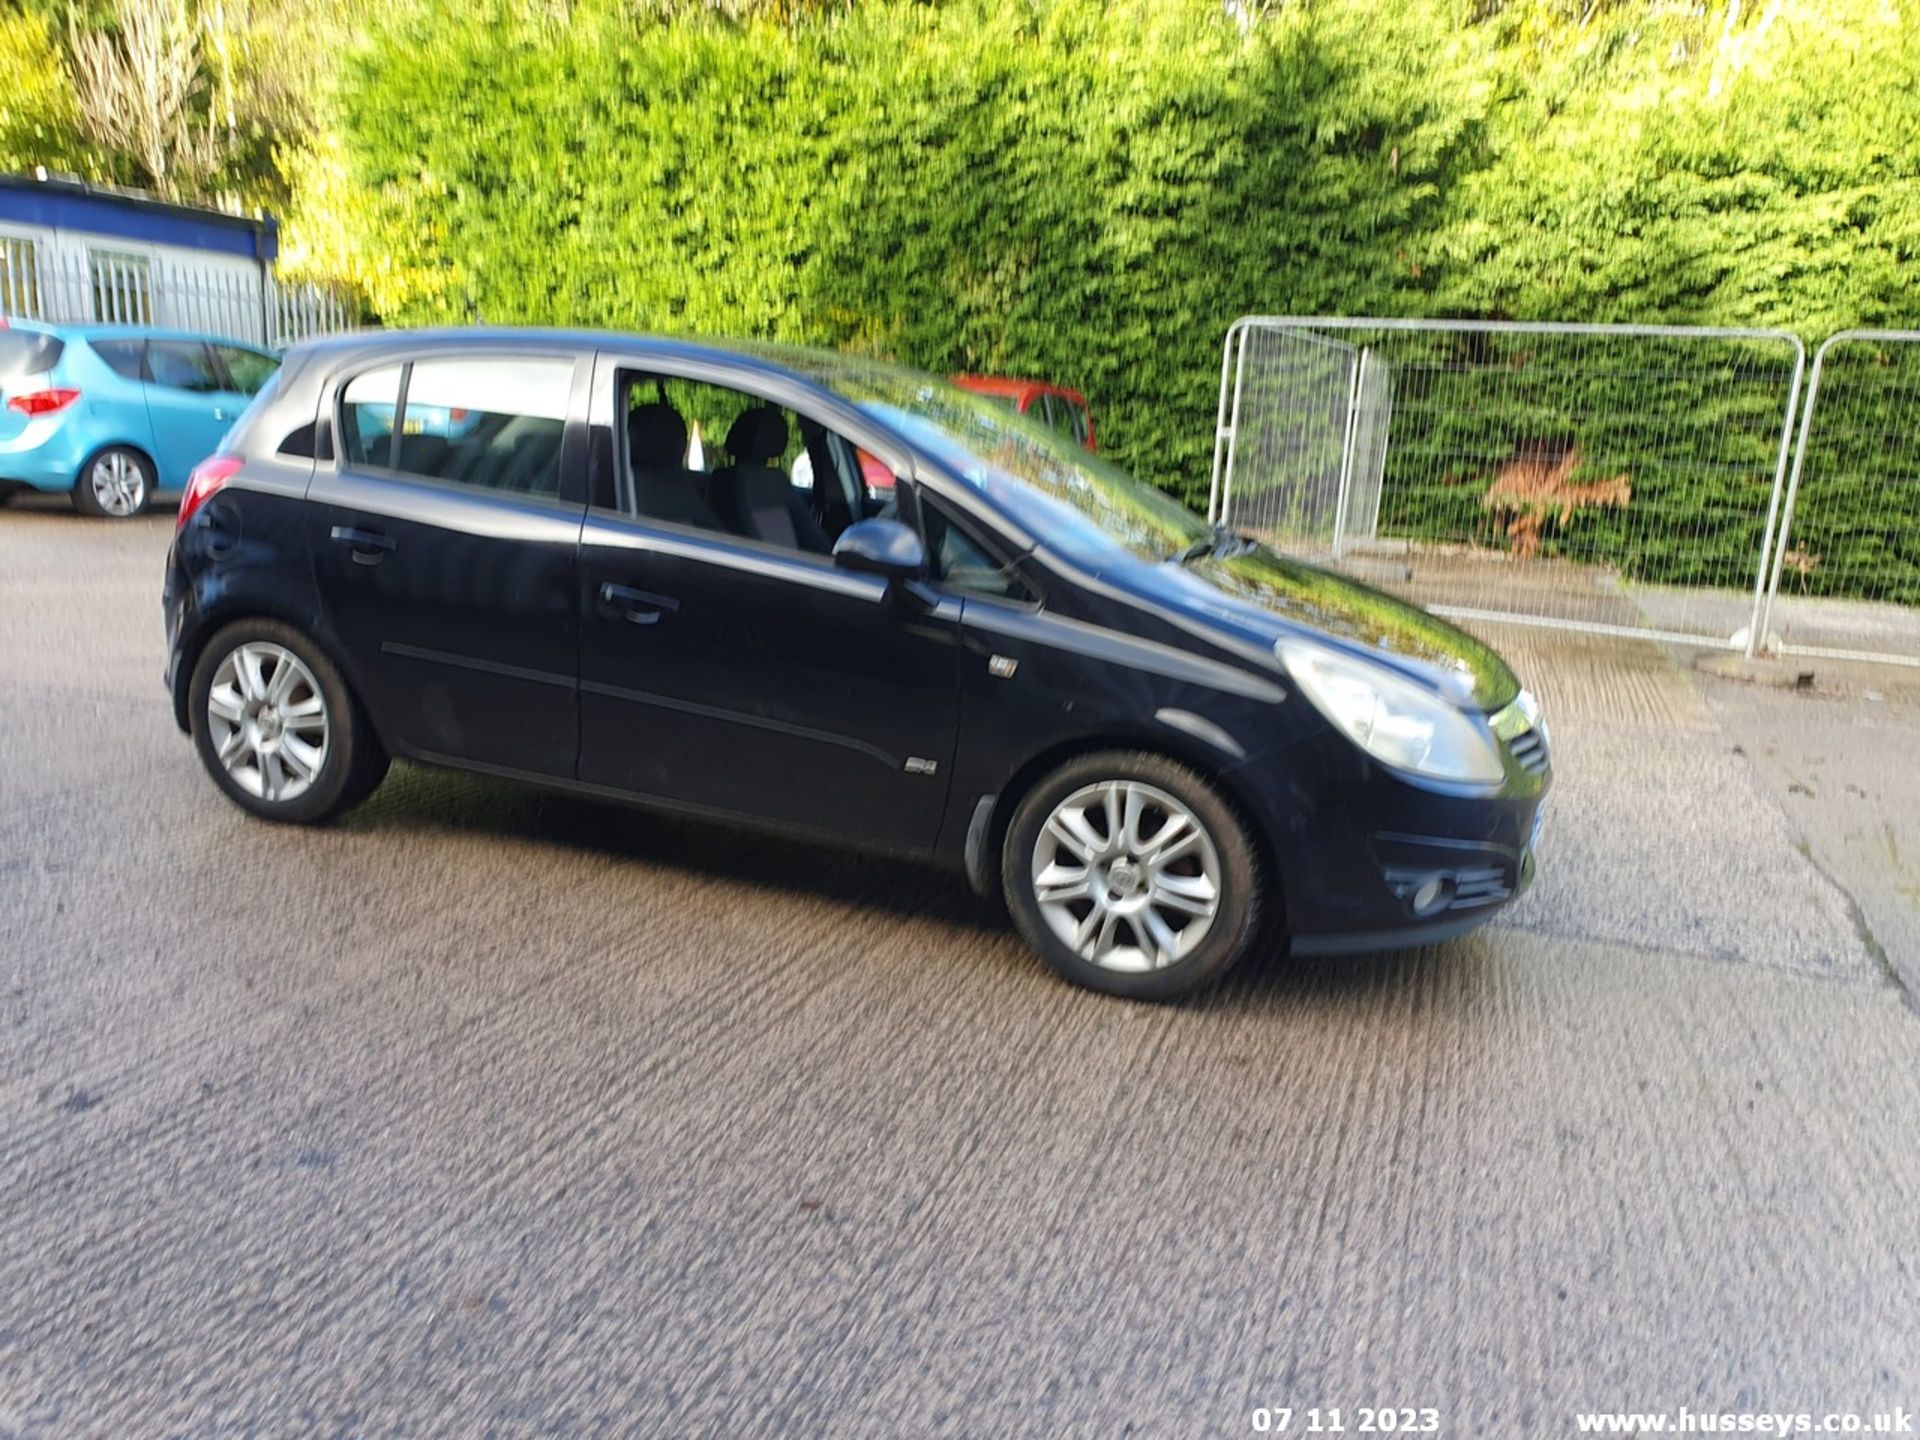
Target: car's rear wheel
{"x":277,"y":728}
{"x":116,"y":484}
{"x":1129,"y":873}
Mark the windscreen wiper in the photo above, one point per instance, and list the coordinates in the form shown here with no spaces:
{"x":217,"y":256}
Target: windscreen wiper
{"x":1220,"y":542}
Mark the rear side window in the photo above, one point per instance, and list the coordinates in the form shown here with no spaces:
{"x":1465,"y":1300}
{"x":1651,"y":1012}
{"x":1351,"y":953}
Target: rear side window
{"x":490,"y":423}
{"x":28,"y":352}
{"x":247,"y":370}
{"x":126,"y":358}
{"x":184,"y":365}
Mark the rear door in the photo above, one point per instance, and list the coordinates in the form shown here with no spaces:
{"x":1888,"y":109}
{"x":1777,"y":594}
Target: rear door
{"x":444,"y":545}
{"x":189,"y":405}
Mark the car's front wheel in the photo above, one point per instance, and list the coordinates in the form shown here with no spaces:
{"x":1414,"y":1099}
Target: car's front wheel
{"x":1131,"y":874}
{"x":116,"y":484}
{"x":277,"y":728}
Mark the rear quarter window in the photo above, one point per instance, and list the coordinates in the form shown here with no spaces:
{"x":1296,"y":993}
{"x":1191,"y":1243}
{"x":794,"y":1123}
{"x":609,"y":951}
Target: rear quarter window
{"x":126,"y":358}
{"x":28,"y":352}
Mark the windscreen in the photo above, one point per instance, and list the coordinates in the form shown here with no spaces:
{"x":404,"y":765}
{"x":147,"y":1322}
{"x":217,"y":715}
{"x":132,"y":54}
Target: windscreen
{"x":1080,"y":504}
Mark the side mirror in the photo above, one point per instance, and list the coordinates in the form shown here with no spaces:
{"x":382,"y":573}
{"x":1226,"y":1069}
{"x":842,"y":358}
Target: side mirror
{"x":881,"y":547}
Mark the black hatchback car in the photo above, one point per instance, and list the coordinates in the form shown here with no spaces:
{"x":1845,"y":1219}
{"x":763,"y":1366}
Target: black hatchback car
{"x":652,"y":571}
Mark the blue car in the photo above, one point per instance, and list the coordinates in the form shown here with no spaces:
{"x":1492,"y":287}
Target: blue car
{"x":110,"y":414}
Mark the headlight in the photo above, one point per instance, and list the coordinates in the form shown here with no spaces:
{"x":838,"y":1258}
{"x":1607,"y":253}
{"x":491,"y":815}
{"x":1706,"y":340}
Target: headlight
{"x":1393,"y":720}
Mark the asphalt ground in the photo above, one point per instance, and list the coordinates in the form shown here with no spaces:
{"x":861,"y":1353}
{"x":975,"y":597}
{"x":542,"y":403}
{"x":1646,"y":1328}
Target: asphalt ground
{"x":491,"y":1113}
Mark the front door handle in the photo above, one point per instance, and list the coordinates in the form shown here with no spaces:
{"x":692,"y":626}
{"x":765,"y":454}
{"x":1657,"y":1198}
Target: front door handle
{"x":638,"y":607}
{"x":368,"y":546}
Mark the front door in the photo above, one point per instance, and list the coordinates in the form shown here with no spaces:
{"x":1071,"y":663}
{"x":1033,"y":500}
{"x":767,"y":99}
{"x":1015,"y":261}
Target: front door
{"x":727,"y":664}
{"x":444,"y":547}
{"x":720,"y":676}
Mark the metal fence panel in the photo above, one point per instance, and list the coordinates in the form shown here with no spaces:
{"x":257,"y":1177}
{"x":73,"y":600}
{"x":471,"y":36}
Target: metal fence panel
{"x":1609,"y":478}
{"x":109,"y":287}
{"x":1846,"y":572}
{"x":1367,"y":451}
{"x":1283,"y":441}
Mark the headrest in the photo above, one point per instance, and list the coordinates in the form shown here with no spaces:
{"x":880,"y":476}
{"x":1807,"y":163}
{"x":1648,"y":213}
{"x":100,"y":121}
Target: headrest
{"x":758,"y":435}
{"x":656,"y":437}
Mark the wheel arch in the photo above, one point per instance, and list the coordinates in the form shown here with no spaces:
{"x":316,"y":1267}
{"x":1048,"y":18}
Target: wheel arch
{"x":211,"y":622}
{"x":983,"y":856}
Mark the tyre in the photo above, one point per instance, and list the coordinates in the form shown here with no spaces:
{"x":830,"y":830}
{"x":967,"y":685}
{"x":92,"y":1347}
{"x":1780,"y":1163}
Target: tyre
{"x":277,"y":728}
{"x":1131,"y":874}
{"x":116,"y":484}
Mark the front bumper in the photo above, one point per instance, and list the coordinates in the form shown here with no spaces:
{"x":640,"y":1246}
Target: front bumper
{"x":1370,"y":860}
{"x":1470,"y":885}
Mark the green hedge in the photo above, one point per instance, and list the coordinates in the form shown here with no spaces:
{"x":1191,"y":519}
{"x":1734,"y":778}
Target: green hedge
{"x":1091,"y":193}
{"x":1073,"y":191}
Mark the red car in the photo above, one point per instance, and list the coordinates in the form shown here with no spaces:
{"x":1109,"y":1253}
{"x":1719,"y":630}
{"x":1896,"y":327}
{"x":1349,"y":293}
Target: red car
{"x":1052,"y":405}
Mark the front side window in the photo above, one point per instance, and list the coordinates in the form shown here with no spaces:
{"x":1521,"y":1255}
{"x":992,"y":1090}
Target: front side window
{"x":1085,"y":507}
{"x":963,"y":561}
{"x":725,"y":460}
{"x":184,"y":365}
{"x":493,"y":423}
{"x":247,"y":370}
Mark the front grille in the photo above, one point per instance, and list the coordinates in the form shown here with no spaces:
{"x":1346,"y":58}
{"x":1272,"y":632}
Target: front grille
{"x":1480,"y":887}
{"x":1529,"y":749}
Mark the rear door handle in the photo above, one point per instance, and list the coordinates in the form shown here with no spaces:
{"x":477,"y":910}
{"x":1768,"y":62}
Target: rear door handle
{"x":638,"y":607}
{"x":368,"y":546}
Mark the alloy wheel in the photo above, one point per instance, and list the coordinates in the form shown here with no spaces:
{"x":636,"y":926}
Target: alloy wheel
{"x":118,"y":483}
{"x":268,"y":721}
{"x":1126,"y":876}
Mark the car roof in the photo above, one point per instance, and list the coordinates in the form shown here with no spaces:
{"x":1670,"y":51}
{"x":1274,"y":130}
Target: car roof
{"x":799,"y":364}
{"x":1005,"y":385}
{"x":756,"y":353}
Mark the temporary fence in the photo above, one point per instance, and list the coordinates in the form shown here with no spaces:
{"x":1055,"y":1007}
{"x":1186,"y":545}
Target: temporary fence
{"x":1845,"y":582}
{"x":1618,"y":479}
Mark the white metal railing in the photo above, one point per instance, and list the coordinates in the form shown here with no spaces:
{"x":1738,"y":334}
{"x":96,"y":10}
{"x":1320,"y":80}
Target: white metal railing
{"x":102,"y":285}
